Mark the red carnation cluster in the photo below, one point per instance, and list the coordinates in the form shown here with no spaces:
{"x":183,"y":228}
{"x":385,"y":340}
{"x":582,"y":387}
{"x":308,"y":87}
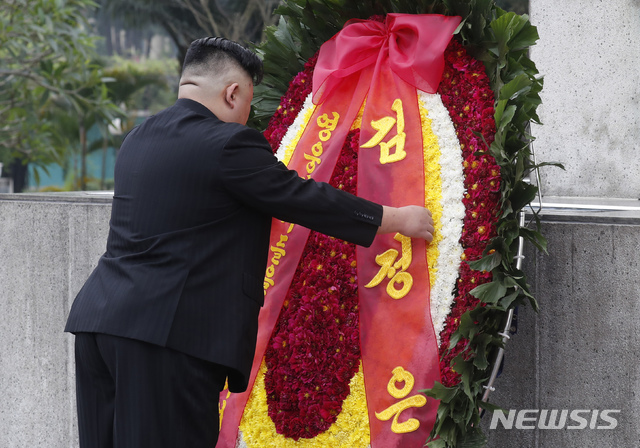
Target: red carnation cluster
{"x":315,"y":347}
{"x":466,"y":93}
{"x":290,"y":104}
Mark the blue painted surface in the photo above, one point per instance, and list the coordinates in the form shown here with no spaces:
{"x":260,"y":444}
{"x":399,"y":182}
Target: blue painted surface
{"x":57,"y":177}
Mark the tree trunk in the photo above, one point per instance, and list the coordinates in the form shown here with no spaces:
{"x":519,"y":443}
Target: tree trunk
{"x":115,"y":36}
{"x":103,"y":173}
{"x":104,"y":27}
{"x":83,"y":156}
{"x":20,"y":174}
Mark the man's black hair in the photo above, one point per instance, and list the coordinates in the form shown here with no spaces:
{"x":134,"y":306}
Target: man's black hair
{"x":210,"y":51}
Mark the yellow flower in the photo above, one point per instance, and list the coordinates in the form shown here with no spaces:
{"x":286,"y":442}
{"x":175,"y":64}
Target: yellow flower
{"x":351,"y":428}
{"x":432,"y":189}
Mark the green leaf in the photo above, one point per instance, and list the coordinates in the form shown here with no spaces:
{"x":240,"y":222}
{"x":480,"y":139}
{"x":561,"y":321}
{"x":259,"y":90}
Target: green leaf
{"x":487,"y":262}
{"x":481,"y":342}
{"x":472,"y":439}
{"x":487,"y":406}
{"x":465,"y":369}
{"x":440,"y":392}
{"x":506,"y":301}
{"x":506,"y":26}
{"x":489,"y":292}
{"x":526,"y":38}
{"x":536,"y":238}
{"x":36,"y":174}
{"x":499,"y":110}
{"x":515,"y":87}
{"x":438,"y":443}
{"x":521,"y":195}
{"x":282,"y":34}
{"x":534,"y":304}
{"x":506,"y":118}
{"x":467,"y":326}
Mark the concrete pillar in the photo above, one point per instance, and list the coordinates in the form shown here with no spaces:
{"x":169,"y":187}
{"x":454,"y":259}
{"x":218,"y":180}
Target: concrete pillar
{"x":589,"y":55}
{"x":48,"y":246}
{"x":581,"y":351}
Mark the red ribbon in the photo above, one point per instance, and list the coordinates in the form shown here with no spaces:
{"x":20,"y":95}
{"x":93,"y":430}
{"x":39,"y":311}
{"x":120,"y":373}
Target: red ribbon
{"x":412,"y":44}
{"x":393,"y":58}
{"x":385,"y":61}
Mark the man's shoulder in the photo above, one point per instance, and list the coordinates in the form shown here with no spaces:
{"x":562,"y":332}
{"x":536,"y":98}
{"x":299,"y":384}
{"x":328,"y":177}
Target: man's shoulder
{"x":195,"y":123}
{"x":240,"y":136}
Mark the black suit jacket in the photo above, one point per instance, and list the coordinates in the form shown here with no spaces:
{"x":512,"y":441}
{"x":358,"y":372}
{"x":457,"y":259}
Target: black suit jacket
{"x":189,"y":236}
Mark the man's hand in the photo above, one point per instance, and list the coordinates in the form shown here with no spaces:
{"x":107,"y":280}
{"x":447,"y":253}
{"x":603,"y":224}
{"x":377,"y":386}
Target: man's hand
{"x":412,"y":221}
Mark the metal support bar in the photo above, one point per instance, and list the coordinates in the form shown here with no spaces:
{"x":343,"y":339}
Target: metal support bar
{"x":518,"y":261}
{"x":599,"y":207}
{"x":507,"y":326}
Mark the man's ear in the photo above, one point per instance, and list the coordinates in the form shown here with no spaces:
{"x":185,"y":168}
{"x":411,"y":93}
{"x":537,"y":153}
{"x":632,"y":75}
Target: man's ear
{"x":230,"y":94}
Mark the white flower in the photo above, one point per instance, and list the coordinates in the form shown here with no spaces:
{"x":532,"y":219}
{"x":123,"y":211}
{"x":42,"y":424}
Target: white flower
{"x":293,"y":134}
{"x":450,"y":250}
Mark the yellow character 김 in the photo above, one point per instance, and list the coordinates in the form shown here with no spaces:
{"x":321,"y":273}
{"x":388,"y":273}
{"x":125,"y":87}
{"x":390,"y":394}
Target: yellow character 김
{"x":383,"y":126}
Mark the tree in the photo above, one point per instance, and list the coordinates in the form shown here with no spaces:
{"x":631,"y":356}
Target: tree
{"x":45,"y":61}
{"x":128,"y":79}
{"x":78,"y":132}
{"x":187,"y":20}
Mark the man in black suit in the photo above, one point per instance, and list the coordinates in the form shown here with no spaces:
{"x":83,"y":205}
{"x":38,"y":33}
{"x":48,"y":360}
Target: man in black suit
{"x":171,"y":310}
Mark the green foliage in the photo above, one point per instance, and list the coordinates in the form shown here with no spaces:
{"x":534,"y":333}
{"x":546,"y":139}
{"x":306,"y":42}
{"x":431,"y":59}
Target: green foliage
{"x":500,"y":40}
{"x":147,"y":85}
{"x":124,"y":79}
{"x":46,"y":66}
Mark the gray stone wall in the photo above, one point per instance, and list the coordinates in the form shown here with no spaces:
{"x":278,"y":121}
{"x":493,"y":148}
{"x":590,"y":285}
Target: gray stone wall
{"x":589,"y":55}
{"x":48,"y":247}
{"x":581,"y":351}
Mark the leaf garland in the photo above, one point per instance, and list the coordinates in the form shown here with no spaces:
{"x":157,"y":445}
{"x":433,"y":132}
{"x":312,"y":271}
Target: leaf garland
{"x":501,"y":41}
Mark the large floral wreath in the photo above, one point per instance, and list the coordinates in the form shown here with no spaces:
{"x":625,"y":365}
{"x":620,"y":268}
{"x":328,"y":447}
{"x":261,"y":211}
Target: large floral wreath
{"x":310,"y":387}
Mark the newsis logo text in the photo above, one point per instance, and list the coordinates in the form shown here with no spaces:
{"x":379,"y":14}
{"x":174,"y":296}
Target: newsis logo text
{"x":555,"y":419}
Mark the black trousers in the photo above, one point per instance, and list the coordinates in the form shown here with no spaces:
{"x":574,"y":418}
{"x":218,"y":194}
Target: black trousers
{"x":131,"y":394}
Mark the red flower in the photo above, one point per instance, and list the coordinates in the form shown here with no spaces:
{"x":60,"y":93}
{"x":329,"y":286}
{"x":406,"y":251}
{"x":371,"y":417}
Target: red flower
{"x":314,"y":350}
{"x":466,"y":93}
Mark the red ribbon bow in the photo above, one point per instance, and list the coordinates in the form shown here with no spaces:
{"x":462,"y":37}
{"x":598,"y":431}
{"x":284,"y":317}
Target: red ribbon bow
{"x":403,"y":41}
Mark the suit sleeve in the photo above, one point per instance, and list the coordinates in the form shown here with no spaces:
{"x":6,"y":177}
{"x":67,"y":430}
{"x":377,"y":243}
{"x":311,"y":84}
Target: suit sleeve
{"x":251,"y":173}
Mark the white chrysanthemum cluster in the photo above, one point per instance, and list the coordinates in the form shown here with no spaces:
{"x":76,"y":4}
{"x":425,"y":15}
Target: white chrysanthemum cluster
{"x":453,"y":211}
{"x":293,"y":134}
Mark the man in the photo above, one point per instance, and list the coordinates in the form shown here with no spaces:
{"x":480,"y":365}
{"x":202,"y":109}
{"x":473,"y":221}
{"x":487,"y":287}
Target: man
{"x":171,"y":310}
